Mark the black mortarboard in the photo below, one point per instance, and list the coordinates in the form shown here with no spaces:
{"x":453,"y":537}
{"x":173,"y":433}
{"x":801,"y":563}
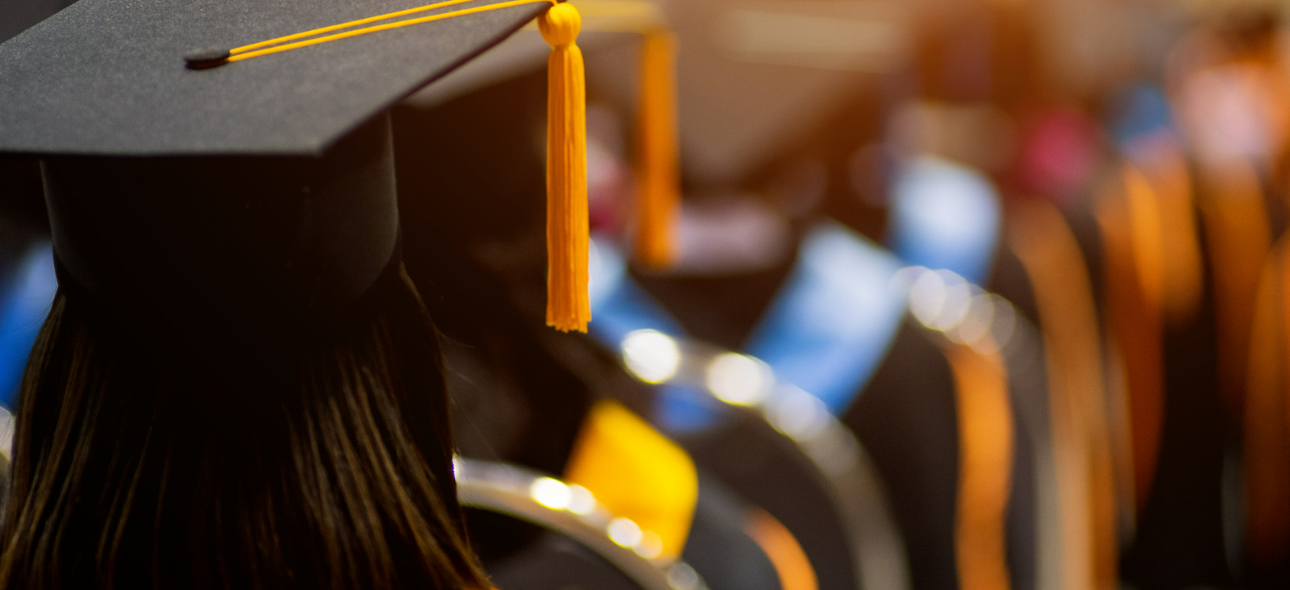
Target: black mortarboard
{"x":106,"y":77}
{"x":251,"y":199}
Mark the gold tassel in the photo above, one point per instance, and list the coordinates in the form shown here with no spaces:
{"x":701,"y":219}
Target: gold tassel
{"x":659,"y":188}
{"x":567,"y":306}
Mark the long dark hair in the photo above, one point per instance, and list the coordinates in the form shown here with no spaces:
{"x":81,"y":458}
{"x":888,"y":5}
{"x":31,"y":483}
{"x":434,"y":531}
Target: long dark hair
{"x":130,"y":473}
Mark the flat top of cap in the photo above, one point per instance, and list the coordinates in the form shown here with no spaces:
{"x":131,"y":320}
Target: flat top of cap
{"x":108,"y":77}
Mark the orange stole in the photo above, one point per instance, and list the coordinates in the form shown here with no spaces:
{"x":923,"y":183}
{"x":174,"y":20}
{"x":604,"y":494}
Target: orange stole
{"x":1267,"y":416}
{"x":1081,"y":433}
{"x":1128,"y":215}
{"x":986,"y":436}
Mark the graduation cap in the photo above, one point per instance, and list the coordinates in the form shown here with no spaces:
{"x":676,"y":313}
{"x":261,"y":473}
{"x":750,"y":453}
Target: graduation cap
{"x":227,"y":165}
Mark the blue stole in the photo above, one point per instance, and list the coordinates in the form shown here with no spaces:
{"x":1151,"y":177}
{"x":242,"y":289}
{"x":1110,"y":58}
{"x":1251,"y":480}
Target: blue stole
{"x":23,"y":308}
{"x":945,"y":216}
{"x":826,"y":331}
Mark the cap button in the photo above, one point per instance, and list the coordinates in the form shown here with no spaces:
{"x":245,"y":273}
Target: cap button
{"x":560,"y":25}
{"x":206,"y":58}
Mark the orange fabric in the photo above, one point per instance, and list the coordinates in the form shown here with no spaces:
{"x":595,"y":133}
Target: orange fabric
{"x":636,"y":473}
{"x":1282,"y":260}
{"x":1239,"y":239}
{"x":1058,"y":274}
{"x":1267,"y":431}
{"x":659,"y":190}
{"x":786,"y":555}
{"x":1146,"y":235}
{"x":985,"y":468}
{"x":568,"y":226}
{"x":1184,"y":272}
{"x":1129,"y":221}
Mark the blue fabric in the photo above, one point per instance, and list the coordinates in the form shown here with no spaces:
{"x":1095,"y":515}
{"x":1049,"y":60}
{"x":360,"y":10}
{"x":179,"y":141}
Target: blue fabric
{"x":619,"y":307}
{"x":25,"y":308}
{"x":945,"y":216}
{"x":825,"y":332}
{"x":831,"y":326}
{"x":1139,"y":111}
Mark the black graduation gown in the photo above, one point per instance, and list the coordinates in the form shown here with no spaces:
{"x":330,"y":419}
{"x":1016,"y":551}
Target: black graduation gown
{"x":521,"y":390}
{"x":905,"y":417}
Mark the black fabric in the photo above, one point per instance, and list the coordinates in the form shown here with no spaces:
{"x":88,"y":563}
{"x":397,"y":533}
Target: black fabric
{"x":22,"y":213}
{"x":905,"y":417}
{"x":518,"y":555}
{"x":1269,"y":567}
{"x":17,"y":16}
{"x":558,"y":563}
{"x":512,"y":401}
{"x":471,"y":171}
{"x":1179,"y":540}
{"x":719,"y":309}
{"x":462,"y":169}
{"x":763,"y":467}
{"x":258,"y":254}
{"x":306,"y":337}
{"x":22,"y":195}
{"x":496,"y":537}
{"x":1020,"y":520}
{"x":906,"y":420}
{"x":719,"y":545}
{"x":1080,"y":218}
{"x":1008,"y":278}
{"x":6,"y":479}
{"x":1026,"y":364}
{"x":108,"y":76}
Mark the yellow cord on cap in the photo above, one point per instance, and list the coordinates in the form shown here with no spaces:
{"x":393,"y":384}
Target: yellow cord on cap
{"x":659,"y":191}
{"x":568,"y":307}
{"x":353,"y":23}
{"x":243,"y":52}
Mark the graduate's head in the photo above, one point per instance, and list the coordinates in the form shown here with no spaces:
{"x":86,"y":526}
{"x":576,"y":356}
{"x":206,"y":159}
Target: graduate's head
{"x":236,"y":380}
